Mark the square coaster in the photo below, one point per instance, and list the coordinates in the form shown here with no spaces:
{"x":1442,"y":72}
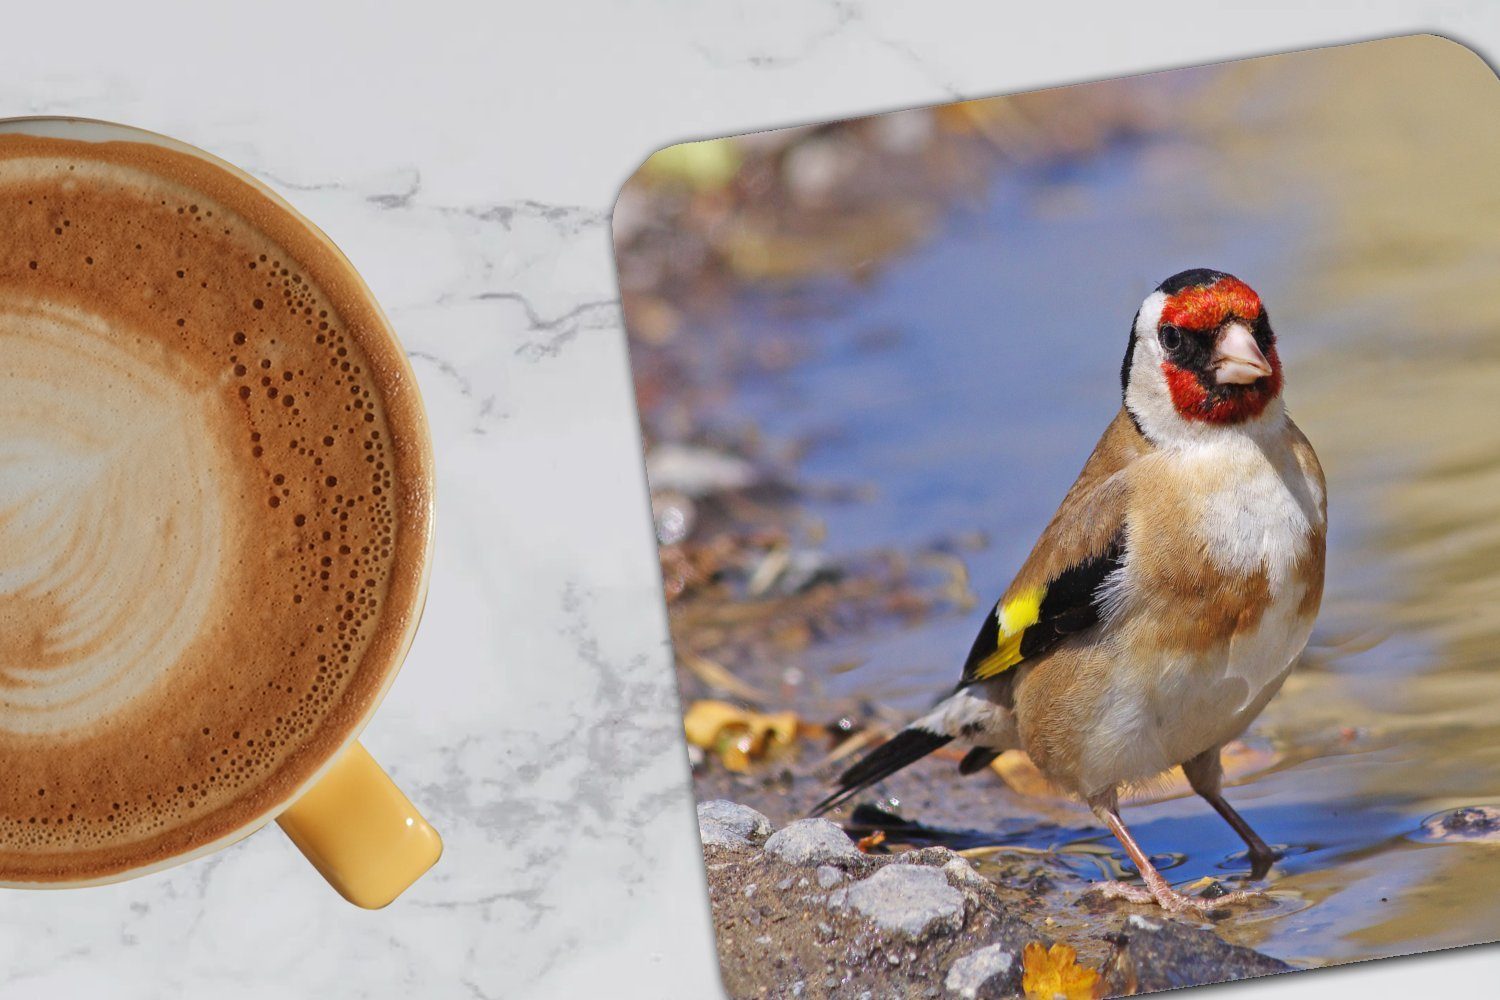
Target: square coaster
{"x":1222,"y":704}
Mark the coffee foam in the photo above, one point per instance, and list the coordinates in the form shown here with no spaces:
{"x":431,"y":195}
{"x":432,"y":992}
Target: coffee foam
{"x":213,"y":517}
{"x":110,"y":517}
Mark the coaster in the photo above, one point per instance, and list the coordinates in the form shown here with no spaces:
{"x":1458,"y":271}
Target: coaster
{"x":1078,"y":517}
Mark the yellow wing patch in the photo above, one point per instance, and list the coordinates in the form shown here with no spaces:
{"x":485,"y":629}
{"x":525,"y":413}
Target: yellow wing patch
{"x":1015,"y":616}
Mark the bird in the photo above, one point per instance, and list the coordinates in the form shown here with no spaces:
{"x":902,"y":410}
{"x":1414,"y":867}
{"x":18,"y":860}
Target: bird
{"x":1170,"y":595}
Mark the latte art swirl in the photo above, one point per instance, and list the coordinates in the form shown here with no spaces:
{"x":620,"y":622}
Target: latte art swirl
{"x":98,"y":606}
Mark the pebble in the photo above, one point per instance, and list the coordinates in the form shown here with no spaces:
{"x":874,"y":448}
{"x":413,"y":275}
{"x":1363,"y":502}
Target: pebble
{"x":743,"y":820}
{"x":829,"y":876}
{"x":909,"y":900}
{"x":728,"y":824}
{"x":967,"y":975}
{"x":811,"y":842}
{"x":714,"y":835}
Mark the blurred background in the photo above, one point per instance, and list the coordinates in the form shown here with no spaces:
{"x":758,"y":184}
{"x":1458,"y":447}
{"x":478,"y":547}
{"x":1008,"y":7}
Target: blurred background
{"x":871,"y":357}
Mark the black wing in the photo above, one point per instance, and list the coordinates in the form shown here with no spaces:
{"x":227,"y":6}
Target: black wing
{"x":1041,"y":617}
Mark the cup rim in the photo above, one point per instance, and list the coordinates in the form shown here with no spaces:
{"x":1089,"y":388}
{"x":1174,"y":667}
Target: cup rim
{"x":101,"y":130}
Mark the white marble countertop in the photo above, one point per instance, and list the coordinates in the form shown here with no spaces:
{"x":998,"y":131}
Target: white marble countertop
{"x":466,"y":156}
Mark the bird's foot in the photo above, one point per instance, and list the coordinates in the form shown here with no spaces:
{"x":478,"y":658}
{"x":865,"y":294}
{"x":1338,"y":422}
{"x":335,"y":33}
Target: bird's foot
{"x":1172,"y":901}
{"x":1121,"y":890}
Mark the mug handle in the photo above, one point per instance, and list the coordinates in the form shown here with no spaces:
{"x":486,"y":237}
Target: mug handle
{"x":360,"y":832}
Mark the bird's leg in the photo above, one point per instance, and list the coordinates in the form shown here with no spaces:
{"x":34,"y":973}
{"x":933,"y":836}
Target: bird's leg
{"x":1157,"y":889}
{"x":1205,"y":773}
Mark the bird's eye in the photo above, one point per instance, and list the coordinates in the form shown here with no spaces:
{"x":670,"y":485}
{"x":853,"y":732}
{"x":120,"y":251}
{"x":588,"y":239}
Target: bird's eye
{"x":1170,"y":337}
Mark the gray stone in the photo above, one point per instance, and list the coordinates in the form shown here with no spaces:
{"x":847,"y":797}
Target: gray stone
{"x":749,"y":825}
{"x":716,"y":835}
{"x":909,"y":900}
{"x":811,"y":842}
{"x":1154,"y":955}
{"x":829,"y":876}
{"x":968,"y":975}
{"x":961,"y":873}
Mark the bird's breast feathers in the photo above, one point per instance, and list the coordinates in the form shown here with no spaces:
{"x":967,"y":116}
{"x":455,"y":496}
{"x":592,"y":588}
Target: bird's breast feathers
{"x":1217,"y":536}
{"x":1215,"y":598}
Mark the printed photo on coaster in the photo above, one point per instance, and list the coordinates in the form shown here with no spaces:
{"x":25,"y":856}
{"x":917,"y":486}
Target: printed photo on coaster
{"x":1078,"y":517}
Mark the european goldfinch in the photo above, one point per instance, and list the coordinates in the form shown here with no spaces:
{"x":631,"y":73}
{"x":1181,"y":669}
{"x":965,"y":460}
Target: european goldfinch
{"x":1167,"y":600}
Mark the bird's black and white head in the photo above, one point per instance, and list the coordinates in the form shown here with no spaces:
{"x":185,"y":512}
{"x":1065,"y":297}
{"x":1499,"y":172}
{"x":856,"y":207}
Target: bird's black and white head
{"x":1201,"y":357}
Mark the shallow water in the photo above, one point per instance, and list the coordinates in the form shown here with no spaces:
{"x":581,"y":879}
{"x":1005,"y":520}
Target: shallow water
{"x":968,"y":379}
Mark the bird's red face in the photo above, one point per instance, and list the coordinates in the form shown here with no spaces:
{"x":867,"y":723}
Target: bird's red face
{"x":1218,"y":352}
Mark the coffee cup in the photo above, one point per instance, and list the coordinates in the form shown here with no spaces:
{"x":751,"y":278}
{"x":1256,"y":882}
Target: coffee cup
{"x":215,"y":521}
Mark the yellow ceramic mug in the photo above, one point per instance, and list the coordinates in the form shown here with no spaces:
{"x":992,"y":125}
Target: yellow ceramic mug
{"x":356,"y":827}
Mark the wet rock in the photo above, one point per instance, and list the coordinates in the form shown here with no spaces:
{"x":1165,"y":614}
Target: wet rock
{"x":722,"y":820}
{"x":910,"y":900}
{"x":1164,"y":954}
{"x":1470,"y":823}
{"x":811,"y":842}
{"x":995,"y":966}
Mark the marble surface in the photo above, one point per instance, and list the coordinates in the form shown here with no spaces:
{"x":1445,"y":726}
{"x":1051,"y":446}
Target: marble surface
{"x":466,"y":156}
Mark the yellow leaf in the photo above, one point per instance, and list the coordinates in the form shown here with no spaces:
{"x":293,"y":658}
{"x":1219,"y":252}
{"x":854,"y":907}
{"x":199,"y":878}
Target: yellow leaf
{"x":738,"y":736}
{"x":706,"y":719}
{"x":1054,"y":974}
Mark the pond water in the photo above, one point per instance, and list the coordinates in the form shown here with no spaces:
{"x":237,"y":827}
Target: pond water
{"x":967,"y":380}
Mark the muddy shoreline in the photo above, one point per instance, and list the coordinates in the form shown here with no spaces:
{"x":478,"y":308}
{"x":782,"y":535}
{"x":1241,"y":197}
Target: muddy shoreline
{"x":801,"y":911}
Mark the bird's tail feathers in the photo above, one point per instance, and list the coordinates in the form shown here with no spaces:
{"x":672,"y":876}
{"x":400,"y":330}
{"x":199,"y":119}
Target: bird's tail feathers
{"x":977,"y":759}
{"x":906,"y":747}
{"x":965,"y":715}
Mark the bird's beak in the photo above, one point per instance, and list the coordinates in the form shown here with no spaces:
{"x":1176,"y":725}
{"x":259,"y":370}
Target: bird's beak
{"x":1237,"y":359}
